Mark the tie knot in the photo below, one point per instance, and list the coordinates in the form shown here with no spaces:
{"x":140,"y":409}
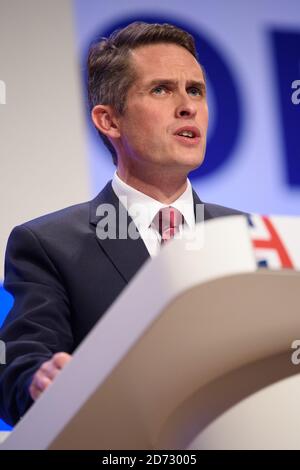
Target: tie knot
{"x":168,"y":221}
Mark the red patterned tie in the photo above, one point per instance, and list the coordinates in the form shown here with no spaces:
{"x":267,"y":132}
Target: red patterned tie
{"x":169,"y":222}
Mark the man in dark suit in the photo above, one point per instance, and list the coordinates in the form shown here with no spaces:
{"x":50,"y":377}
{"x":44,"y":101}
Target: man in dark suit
{"x":148,"y":98}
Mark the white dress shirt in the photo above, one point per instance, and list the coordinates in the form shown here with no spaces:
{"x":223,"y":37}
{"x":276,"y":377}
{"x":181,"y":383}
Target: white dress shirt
{"x":136,"y":202}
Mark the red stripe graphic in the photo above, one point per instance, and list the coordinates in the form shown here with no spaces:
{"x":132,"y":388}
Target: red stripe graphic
{"x":274,"y":243}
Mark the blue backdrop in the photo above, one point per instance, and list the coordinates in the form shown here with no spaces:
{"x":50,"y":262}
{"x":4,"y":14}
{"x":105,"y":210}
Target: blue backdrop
{"x":6,"y":302}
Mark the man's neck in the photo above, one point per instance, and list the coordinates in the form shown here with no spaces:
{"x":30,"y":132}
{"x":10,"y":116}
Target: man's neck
{"x":164,"y":187}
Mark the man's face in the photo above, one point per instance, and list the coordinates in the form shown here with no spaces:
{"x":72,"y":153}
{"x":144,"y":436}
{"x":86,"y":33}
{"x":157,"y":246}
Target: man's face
{"x":167,"y":99}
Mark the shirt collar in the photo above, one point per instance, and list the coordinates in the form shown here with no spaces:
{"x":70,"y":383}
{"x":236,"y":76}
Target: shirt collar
{"x":130,"y":197}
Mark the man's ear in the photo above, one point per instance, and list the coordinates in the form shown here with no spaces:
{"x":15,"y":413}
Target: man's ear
{"x":104,"y":118}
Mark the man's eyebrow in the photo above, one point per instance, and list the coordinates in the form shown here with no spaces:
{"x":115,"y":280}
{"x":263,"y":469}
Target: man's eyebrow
{"x":168,"y":81}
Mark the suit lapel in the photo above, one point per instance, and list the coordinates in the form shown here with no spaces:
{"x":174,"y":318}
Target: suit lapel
{"x":127,"y":254}
{"x":198,"y":214}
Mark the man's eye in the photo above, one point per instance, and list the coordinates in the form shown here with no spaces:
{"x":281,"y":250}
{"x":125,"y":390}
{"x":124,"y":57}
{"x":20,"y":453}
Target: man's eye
{"x":195,"y":91}
{"x":159,"y":90}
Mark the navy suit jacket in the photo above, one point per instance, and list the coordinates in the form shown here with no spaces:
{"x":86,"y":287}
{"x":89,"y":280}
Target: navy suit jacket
{"x":63,"y":278}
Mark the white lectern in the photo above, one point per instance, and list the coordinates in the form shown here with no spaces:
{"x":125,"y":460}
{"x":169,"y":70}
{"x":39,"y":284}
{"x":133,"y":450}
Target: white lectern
{"x":195,"y":353}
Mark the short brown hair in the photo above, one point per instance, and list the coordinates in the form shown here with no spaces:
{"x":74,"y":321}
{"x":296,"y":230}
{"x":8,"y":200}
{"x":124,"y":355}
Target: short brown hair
{"x":110,"y":73}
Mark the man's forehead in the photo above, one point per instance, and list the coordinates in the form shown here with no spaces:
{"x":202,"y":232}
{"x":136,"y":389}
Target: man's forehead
{"x":165,"y":60}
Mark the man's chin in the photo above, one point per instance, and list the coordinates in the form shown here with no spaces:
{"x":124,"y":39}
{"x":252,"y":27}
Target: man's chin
{"x":190,"y":162}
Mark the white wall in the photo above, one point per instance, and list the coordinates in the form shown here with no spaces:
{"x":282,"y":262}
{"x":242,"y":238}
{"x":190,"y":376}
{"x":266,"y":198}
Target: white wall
{"x":42,"y":153}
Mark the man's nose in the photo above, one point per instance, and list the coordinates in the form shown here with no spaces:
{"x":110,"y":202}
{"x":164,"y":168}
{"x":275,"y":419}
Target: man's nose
{"x":186,"y":107}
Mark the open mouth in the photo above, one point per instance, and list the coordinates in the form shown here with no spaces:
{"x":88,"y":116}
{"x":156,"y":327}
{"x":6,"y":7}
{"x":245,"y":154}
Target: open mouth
{"x":189,"y":135}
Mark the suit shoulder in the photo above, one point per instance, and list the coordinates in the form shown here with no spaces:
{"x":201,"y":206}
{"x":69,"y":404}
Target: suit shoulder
{"x":215,"y":210}
{"x":62,"y":218}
